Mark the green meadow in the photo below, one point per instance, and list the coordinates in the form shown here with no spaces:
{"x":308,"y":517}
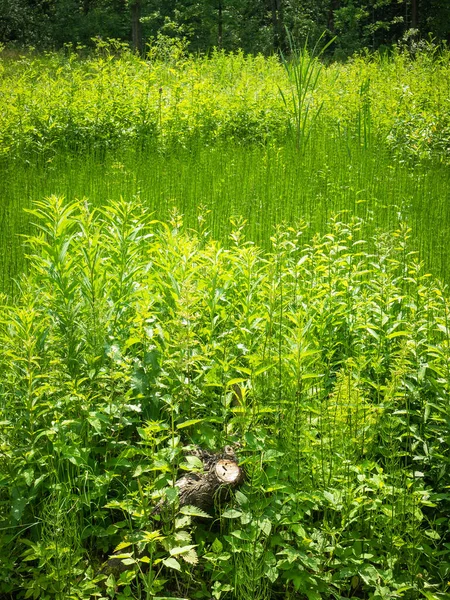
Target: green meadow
{"x":265,"y":185}
{"x":236,"y":134}
{"x":224,"y":250}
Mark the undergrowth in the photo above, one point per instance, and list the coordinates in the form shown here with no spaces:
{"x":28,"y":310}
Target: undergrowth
{"x":169,"y":100}
{"x":324,"y":360}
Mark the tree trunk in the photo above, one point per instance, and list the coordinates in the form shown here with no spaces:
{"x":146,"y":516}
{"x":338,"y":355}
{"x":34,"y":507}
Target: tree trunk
{"x":86,"y":6}
{"x":334,"y":5}
{"x":220,"y":25}
{"x":277,"y":24}
{"x":136,"y":26}
{"x":414,"y":14}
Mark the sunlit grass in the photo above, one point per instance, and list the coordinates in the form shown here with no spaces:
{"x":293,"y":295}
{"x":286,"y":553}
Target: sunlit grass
{"x":218,"y":132}
{"x":60,"y":101}
{"x":190,"y":280}
{"x":264,"y":185}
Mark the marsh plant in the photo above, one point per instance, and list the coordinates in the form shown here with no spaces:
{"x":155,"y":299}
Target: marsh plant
{"x":303,"y":69}
{"x":168,"y":99}
{"x":131,"y":340}
{"x":225,"y":130}
{"x":266,"y":185}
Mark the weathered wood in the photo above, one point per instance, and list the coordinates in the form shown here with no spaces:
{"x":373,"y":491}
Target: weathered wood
{"x":221,"y":473}
{"x":203,"y":490}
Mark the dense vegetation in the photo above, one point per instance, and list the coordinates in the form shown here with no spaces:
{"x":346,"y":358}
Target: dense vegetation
{"x":225,"y":132}
{"x":251,"y":25}
{"x":57,"y":101}
{"x":128,"y":344}
{"x":282,"y":307}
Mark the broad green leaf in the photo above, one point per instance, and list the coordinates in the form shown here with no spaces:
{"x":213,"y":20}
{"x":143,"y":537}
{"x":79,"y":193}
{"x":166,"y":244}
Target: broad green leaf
{"x":95,"y":423}
{"x":189,"y":423}
{"x":432,"y":534}
{"x":131,"y":342}
{"x":217,"y":546}
{"x":141,"y":469}
{"x":145,"y":559}
{"x":193,"y":511}
{"x":241,"y":535}
{"x":265,"y":526}
{"x":235,"y":381}
{"x":171,"y":494}
{"x":231,"y":513}
{"x":181,"y":549}
{"x":395,"y":334}
{"x":183,"y":521}
{"x":271,"y":572}
{"x":183,"y":536}
{"x":172,"y":563}
{"x":127,"y":577}
{"x":244,"y":370}
{"x":192,"y":463}
{"x":121,"y":546}
{"x":241,"y":498}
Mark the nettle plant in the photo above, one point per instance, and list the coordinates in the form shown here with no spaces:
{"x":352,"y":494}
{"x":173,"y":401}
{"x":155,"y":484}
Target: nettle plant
{"x":133,"y":340}
{"x":113,"y":98}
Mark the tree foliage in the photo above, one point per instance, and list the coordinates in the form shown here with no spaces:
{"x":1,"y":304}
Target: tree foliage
{"x":252,"y":25}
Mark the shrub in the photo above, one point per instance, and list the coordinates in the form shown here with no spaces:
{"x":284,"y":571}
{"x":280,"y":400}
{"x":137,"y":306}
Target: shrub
{"x":133,"y":339}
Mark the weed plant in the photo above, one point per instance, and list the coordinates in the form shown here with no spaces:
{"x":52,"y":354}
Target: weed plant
{"x":62,"y":101}
{"x":303,"y":70}
{"x":325,"y":356}
{"x":264,"y":185}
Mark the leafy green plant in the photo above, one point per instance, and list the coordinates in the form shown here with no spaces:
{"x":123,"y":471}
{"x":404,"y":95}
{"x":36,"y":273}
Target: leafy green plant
{"x":112,"y":98}
{"x":133,"y":339}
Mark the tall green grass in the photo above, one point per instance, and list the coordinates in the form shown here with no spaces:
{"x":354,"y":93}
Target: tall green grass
{"x":264,"y":185}
{"x":112,"y":98}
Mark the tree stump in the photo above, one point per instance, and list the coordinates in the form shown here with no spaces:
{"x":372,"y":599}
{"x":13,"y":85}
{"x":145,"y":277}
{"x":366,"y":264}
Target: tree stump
{"x":221,"y":474}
